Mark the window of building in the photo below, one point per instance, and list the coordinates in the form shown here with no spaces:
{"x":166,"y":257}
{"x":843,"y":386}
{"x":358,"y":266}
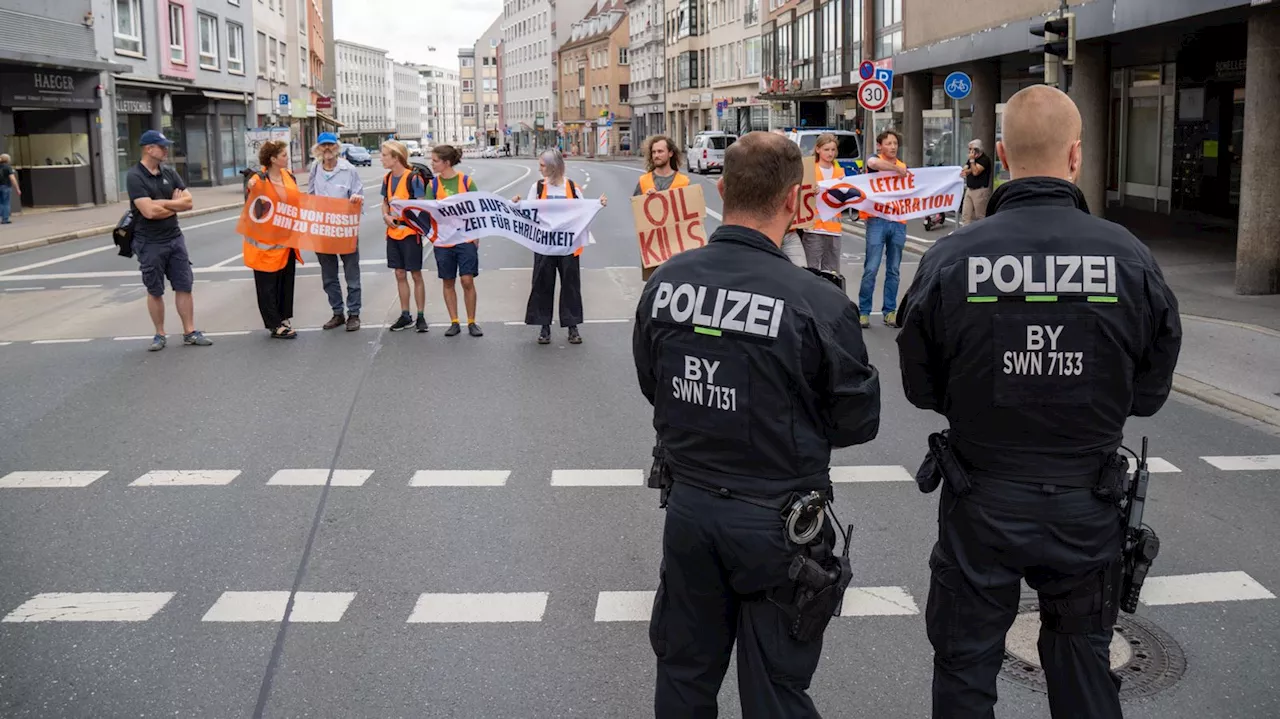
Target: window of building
{"x":624,"y":56}
{"x":468,"y":110}
{"x":624,"y":93}
{"x":262,"y":54}
{"x":831,"y":38}
{"x":177,"y":36}
{"x":784,"y":51}
{"x":208,"y":33}
{"x":273,"y":58}
{"x":235,"y":48}
{"x":888,"y":44}
{"x":128,"y":28}
{"x":888,"y":13}
{"x":282,"y":67}
{"x":468,"y":85}
{"x":752,"y":15}
{"x":851,"y":44}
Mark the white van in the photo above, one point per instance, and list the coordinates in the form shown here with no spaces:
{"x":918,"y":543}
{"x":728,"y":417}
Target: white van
{"x":707,"y":152}
{"x":415,"y":149}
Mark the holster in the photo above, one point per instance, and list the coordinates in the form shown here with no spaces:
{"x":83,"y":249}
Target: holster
{"x":811,"y":601}
{"x":948,"y":465}
{"x":1111,"y":480}
{"x":660,"y":475}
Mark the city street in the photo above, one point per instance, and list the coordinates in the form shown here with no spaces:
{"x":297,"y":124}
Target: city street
{"x":484,"y":546}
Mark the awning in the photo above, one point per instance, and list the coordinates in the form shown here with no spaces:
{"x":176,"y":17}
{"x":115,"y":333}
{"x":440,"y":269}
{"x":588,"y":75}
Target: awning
{"x":328,"y":120}
{"x":149,"y":84}
{"x":216,"y":95}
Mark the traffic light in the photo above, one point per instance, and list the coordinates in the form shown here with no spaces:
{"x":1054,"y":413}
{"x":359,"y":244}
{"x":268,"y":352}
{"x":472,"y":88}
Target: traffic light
{"x":1059,"y":35}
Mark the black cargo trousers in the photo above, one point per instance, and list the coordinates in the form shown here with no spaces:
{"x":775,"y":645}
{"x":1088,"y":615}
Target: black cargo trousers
{"x":1066,"y":543}
{"x":719,"y":558}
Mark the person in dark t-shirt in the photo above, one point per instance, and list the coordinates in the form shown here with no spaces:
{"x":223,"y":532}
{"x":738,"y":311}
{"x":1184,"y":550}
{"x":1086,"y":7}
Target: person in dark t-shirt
{"x":977,"y":175}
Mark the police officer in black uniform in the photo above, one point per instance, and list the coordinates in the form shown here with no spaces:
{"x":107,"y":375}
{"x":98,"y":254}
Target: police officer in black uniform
{"x":1036,"y":332}
{"x":756,"y":369}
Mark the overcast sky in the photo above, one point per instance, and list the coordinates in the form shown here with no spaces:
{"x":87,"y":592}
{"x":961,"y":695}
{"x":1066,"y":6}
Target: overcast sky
{"x":406,"y":28}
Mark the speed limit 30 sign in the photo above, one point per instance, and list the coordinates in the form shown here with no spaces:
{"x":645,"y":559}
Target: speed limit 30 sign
{"x":873,"y":95}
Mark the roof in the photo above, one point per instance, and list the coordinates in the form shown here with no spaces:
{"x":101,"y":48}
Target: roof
{"x":597,"y":11}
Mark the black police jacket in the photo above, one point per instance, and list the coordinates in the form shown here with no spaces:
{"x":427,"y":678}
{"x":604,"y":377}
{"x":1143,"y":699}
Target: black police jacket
{"x":1037,"y":331}
{"x":755,"y":367}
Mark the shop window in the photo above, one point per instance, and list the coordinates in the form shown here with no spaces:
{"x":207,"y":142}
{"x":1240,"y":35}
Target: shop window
{"x":128,"y":30}
{"x":30,"y":151}
{"x":177,"y":35}
{"x":208,"y":33}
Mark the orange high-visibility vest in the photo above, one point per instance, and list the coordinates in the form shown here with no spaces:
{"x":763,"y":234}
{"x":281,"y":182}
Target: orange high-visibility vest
{"x":399,"y":192}
{"x":646,"y":182}
{"x":464,"y":185}
{"x":271,"y":258}
{"x":570,"y":192}
{"x":865,"y":216}
{"x":832,"y":226}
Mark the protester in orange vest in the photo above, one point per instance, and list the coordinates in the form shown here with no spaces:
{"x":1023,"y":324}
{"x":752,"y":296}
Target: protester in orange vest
{"x":661,"y":158}
{"x":542,"y":294}
{"x":404,"y":246}
{"x":463,"y":259}
{"x":887,"y":237}
{"x":822,"y":242}
{"x":274,"y":265}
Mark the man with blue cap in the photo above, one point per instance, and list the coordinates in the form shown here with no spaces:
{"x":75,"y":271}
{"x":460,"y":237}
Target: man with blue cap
{"x":333,"y":176}
{"x":157,"y":194}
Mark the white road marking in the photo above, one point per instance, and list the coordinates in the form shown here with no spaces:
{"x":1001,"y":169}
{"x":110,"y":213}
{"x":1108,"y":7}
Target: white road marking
{"x":270,"y":606}
{"x":514,"y":324}
{"x":90,"y":607}
{"x":715,"y":214}
{"x":1245,"y":463}
{"x":130,"y":284}
{"x":23,"y":289}
{"x":469,"y":608}
{"x":878,"y":602}
{"x":80,"y":287}
{"x":607,"y":322}
{"x":210,"y":222}
{"x":872,"y":473}
{"x":228,"y":261}
{"x":242,"y":279}
{"x":312,"y":477}
{"x":21,"y":480}
{"x":514,"y":269}
{"x":54,"y":261}
{"x":132,"y":337}
{"x":459,"y":478}
{"x":234,"y":333}
{"x":186,"y":478}
{"x":624,"y":606}
{"x":1154,"y":465}
{"x":78,"y":340}
{"x":1202,"y":588}
{"x":5,"y":344}
{"x":597,"y":478}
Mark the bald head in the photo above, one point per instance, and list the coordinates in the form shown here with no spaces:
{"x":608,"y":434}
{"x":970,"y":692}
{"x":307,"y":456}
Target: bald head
{"x":1041,"y":134}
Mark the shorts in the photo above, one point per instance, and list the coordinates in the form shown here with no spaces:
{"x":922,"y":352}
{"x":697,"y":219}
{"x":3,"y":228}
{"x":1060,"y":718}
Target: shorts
{"x":463,"y":259}
{"x":167,"y":258}
{"x":405,"y":254}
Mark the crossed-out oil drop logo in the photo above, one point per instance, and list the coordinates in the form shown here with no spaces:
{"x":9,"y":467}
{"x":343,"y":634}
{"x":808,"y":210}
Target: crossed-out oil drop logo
{"x":262,"y":210}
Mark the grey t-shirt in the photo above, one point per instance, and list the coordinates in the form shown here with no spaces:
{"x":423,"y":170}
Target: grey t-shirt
{"x":660,"y":183}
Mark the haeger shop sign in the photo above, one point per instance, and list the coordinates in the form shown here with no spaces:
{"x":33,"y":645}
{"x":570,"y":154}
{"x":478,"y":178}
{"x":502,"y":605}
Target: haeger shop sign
{"x":48,"y":88}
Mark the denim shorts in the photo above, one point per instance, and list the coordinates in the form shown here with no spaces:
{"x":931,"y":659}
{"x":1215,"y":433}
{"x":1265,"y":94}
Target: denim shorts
{"x":167,"y":258}
{"x":462,"y":259}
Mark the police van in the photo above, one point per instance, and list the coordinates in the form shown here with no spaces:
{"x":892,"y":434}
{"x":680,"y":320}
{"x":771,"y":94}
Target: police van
{"x":848,"y":151}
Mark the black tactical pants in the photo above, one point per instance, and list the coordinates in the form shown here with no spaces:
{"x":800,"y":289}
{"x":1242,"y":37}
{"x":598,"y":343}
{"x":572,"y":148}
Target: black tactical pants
{"x":719,"y":557}
{"x":1064,"y":541}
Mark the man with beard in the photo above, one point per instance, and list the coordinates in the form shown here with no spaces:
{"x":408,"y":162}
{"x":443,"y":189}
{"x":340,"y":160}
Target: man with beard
{"x":333,"y":176}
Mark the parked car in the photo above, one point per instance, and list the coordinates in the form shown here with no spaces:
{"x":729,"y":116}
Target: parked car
{"x":490,"y":152}
{"x":848,"y":152}
{"x":358,"y":156}
{"x":415,"y":149}
{"x":707,"y":152}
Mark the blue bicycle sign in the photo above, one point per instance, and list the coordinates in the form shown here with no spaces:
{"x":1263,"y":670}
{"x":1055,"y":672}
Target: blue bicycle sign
{"x":958,"y":86}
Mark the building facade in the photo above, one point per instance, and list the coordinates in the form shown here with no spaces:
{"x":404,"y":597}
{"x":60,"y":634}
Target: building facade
{"x":366,"y":115}
{"x":467,"y":94}
{"x":193,"y":69}
{"x":529,"y":35}
{"x":407,"y":94}
{"x":1175,"y":96}
{"x":688,"y":96}
{"x":647,"y":61}
{"x":441,"y":102}
{"x":734,"y":64}
{"x":50,"y":76}
{"x":490,"y":131}
{"x":594,"y":81}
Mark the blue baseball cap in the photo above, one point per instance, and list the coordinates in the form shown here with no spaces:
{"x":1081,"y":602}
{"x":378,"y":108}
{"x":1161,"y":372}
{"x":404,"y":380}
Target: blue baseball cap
{"x":327,"y":138}
{"x":154,"y":137}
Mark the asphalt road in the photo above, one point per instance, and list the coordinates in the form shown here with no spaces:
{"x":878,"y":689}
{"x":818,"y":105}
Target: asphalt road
{"x":487,"y":549}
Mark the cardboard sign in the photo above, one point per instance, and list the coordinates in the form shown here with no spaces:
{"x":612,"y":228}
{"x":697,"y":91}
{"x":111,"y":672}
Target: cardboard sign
{"x":807,"y":212}
{"x":668,"y":223}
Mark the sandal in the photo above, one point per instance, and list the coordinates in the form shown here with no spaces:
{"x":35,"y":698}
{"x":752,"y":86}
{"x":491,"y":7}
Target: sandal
{"x":283,"y":332}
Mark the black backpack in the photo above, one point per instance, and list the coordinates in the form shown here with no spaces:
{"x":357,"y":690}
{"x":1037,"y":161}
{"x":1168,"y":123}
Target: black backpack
{"x":416,"y":169}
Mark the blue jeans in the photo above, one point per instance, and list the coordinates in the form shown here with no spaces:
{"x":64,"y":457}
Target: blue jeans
{"x":333,"y":288}
{"x":5,"y":191}
{"x":890,"y":238}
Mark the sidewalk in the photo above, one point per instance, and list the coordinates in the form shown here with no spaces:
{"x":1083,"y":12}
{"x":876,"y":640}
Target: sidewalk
{"x":1230,"y":342}
{"x":38,"y":228}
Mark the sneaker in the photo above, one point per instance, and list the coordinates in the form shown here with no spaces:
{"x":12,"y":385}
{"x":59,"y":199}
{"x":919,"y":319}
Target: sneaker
{"x":574,"y":337}
{"x":421,"y":324}
{"x":334,"y":322}
{"x":865,"y":321}
{"x":353,"y":323}
{"x":453,"y":331}
{"x":196,"y":339}
{"x":402,"y":323}
{"x":473,"y":329}
{"x":157,"y":343}
{"x":891,"y":319}
{"x":544,"y":335}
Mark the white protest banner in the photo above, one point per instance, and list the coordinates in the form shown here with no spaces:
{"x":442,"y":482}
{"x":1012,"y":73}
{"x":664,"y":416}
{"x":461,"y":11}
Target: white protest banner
{"x":548,"y":227}
{"x":923,"y":192}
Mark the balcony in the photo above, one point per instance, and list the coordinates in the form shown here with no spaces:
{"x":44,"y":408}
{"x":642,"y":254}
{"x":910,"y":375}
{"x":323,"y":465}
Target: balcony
{"x":650,"y":35}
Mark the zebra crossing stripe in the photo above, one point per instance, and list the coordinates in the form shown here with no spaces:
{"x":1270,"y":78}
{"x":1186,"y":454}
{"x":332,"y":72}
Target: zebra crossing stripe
{"x":314,"y":477}
{"x":1202,"y":588}
{"x":871,"y":473}
{"x":597,"y":478}
{"x":878,"y":602}
{"x":624,"y":606}
{"x":61,"y":480}
{"x":186,"y":478}
{"x":90,"y":607}
{"x":479,"y":608}
{"x":270,"y":606}
{"x":460,"y":478}
{"x":1245,"y":463}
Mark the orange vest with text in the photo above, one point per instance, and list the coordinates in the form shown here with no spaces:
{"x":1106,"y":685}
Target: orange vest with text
{"x":646,"y":182}
{"x":832,"y":226}
{"x":570,"y":191}
{"x":272,"y":258}
{"x":865,"y":216}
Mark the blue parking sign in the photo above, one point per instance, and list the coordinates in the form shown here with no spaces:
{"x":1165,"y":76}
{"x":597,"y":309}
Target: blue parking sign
{"x":885,"y":75}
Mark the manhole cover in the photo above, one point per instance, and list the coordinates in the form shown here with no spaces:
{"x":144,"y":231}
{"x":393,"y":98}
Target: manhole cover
{"x":1145,"y":657}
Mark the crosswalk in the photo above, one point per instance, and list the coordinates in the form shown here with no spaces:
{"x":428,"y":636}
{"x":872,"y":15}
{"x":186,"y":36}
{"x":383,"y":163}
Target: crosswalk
{"x":302,"y":477}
